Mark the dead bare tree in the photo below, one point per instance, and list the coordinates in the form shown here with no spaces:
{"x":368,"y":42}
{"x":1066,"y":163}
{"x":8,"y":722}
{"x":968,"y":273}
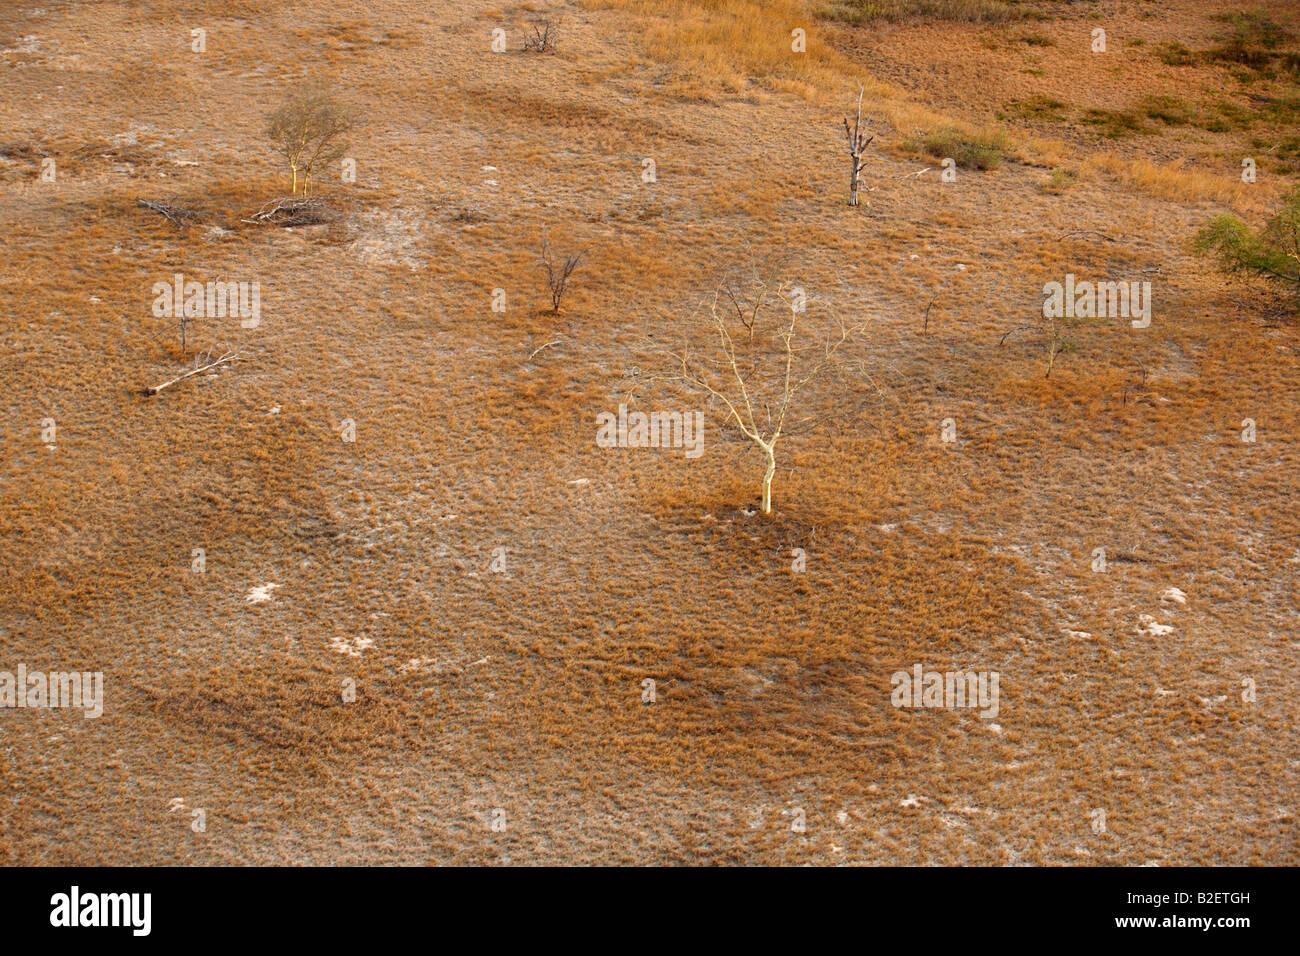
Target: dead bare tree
{"x":760,"y":348}
{"x":857,"y":140}
{"x":557,"y":273}
{"x":309,"y":130}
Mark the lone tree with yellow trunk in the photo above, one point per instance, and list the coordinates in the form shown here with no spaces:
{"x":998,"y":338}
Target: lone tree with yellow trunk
{"x":759,"y":346}
{"x":310,"y":131}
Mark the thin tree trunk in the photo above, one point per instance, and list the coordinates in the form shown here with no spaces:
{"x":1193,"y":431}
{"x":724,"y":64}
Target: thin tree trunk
{"x":767,"y":481}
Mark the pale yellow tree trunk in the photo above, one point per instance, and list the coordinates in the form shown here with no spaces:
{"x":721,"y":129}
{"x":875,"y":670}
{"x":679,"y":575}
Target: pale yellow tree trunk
{"x":767,"y":478}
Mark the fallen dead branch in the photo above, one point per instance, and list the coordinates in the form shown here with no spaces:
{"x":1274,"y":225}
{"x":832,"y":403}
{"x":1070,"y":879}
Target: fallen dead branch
{"x":1083,"y":233}
{"x":202,"y":363}
{"x":540,"y":347}
{"x":291,"y":211}
{"x":176,"y":215}
{"x":1023,"y":328}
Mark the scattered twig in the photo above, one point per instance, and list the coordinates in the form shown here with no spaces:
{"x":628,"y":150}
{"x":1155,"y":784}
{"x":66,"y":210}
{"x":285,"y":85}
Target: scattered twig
{"x":1023,"y":328}
{"x":175,"y":214}
{"x":1090,"y":232}
{"x":540,"y":347}
{"x":1124,"y":400}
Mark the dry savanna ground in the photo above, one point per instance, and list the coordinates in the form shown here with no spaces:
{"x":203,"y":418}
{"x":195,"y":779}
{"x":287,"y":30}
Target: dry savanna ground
{"x":1147,"y":707}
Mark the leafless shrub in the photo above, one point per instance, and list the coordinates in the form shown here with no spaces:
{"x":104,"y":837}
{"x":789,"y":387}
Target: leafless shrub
{"x":1055,"y":341}
{"x":543,"y":38}
{"x":557,"y":273}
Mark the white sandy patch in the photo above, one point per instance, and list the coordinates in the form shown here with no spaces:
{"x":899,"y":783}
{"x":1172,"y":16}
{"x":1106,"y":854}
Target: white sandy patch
{"x":391,"y":238}
{"x":1150,"y":626}
{"x":260,"y":594}
{"x":352,"y":648}
{"x":27,"y":44}
{"x":1176,"y":595}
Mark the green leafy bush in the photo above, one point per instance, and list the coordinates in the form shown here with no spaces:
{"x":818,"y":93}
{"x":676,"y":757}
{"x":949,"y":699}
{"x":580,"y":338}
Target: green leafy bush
{"x":1272,"y":252}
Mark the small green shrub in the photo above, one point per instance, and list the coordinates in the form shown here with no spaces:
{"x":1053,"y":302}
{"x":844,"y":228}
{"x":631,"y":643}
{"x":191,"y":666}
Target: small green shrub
{"x":1175,"y":54}
{"x":968,"y":150}
{"x":1114,"y":123}
{"x":1059,"y":181}
{"x":1253,"y":42}
{"x":1167,"y":110}
{"x":1273,"y":252}
{"x":1037,"y":108}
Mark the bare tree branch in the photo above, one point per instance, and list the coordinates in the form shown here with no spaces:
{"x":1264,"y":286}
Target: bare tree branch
{"x":201,"y":364}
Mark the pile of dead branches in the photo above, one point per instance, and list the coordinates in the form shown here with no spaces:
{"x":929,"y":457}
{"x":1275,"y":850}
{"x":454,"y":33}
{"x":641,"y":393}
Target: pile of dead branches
{"x":292,"y":211}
